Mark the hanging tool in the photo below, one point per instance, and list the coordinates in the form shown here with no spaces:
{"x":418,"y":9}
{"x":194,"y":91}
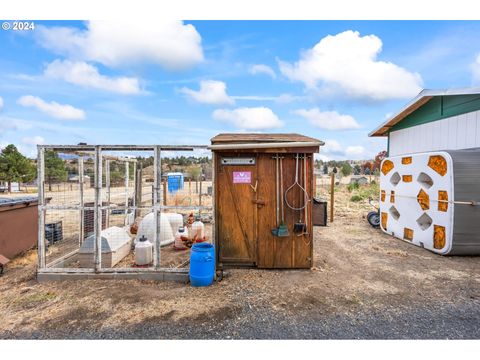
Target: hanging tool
{"x":305,"y":230}
{"x":300,"y":226}
{"x":281,"y":230}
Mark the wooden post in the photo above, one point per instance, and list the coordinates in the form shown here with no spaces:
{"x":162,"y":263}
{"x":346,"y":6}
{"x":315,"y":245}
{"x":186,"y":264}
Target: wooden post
{"x":332,"y":194}
{"x":200,"y":192}
{"x":164,"y":183}
{"x":138,"y":189}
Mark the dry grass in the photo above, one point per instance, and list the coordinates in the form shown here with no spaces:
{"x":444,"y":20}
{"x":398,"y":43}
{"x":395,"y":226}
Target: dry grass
{"x":356,"y":268}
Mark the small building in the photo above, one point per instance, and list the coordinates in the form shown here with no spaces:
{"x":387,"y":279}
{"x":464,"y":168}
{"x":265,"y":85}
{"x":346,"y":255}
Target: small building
{"x":175,"y":181}
{"x":14,"y":186}
{"x":19,"y":225}
{"x":358,"y":179}
{"x":263,"y":189}
{"x":434,"y":120}
{"x":75,"y":178}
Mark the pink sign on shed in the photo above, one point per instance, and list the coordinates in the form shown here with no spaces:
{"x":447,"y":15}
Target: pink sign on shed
{"x":242,"y":177}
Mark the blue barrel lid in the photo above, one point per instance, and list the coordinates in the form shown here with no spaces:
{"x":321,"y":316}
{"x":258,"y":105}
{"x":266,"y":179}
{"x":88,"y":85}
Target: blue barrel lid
{"x":202,"y":246}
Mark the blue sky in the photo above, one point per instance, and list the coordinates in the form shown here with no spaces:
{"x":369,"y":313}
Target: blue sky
{"x":183,"y":82}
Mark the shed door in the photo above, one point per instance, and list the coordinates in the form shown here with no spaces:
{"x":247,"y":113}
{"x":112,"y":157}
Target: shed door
{"x":236,"y":211}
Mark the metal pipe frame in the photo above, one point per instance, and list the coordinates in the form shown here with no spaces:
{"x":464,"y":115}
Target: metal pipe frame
{"x":97,"y":248}
{"x":41,"y":208}
{"x":127,"y":175}
{"x":107,"y":188}
{"x":156,"y":272}
{"x":82,"y":210}
{"x":157,"y":203}
{"x":91,"y":148}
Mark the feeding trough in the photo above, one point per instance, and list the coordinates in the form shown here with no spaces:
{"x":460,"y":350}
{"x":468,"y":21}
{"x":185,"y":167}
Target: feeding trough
{"x":116,"y":244}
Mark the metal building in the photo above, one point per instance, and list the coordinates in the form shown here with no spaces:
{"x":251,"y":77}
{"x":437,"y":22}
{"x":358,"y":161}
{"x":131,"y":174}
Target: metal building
{"x":429,"y":188}
{"x":434,"y":120}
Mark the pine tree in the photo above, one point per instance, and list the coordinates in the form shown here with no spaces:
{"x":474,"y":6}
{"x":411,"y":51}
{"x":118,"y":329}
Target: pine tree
{"x":14,"y":167}
{"x":55,"y":170}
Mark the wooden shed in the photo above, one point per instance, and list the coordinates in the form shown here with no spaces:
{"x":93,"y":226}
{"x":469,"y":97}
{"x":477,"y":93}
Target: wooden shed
{"x":262,"y":214}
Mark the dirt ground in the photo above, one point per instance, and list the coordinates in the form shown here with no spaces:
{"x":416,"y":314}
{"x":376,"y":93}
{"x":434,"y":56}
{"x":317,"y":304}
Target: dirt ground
{"x":364,"y":284}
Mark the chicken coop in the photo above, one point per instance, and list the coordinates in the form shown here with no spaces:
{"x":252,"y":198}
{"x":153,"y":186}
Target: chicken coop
{"x":97,"y":203}
{"x":263,"y":190}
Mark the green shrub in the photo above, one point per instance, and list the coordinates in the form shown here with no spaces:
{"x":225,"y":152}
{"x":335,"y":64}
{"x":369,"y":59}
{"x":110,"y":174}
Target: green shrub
{"x":353,"y":186}
{"x":356,"y":198}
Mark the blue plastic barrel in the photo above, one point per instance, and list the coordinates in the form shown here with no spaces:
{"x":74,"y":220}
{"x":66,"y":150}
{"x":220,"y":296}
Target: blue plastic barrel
{"x":202,"y":264}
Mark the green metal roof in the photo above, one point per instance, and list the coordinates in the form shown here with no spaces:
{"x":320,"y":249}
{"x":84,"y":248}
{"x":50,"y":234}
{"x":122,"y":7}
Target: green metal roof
{"x":431,"y":105}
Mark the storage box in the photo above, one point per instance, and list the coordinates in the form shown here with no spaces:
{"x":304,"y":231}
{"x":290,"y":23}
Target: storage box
{"x":319,"y":212}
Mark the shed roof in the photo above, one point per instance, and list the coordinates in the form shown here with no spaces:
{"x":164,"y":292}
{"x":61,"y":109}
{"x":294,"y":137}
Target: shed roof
{"x":10,"y":201}
{"x":245,"y":138}
{"x":421,"y":99}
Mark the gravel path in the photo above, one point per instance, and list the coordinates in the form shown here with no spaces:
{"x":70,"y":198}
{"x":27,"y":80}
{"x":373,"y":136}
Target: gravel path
{"x":461,"y":321}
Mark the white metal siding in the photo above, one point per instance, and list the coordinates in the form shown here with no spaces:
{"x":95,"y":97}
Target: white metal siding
{"x":456,"y":132}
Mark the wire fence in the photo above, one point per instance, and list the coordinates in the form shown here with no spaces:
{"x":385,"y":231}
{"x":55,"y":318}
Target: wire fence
{"x":116,"y":199}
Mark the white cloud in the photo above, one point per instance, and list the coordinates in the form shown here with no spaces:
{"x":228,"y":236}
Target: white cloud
{"x":254,"y":118}
{"x":355,"y":152}
{"x":262,"y":69}
{"x":334,"y":150}
{"x":33,"y":140}
{"x":280,"y":99}
{"x":1,"y":103}
{"x":332,"y":147}
{"x":171,"y":44}
{"x":54,"y":109}
{"x":328,"y":120}
{"x":211,"y":92}
{"x":86,"y":75}
{"x":347,"y":63}
{"x":476,"y":69}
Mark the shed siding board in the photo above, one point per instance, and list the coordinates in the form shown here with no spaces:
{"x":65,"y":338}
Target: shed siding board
{"x":455,"y":132}
{"x":471,"y":119}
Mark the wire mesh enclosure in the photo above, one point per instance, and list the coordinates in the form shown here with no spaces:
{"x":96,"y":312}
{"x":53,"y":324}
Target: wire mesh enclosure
{"x":122,"y":211}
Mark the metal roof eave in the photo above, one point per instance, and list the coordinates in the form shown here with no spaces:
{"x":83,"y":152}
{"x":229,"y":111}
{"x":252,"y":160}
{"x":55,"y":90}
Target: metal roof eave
{"x":422,"y":98}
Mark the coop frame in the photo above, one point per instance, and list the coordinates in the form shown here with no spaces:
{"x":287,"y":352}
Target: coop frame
{"x":46,"y":272}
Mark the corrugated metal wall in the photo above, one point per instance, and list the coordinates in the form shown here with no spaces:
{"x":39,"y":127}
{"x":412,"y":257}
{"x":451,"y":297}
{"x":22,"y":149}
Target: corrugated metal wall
{"x":453,"y":133}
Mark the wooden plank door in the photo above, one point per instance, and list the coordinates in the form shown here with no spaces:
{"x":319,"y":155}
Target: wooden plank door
{"x":236,"y":213}
{"x":292,"y":251}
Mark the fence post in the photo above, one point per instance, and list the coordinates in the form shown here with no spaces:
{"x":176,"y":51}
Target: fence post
{"x":200,"y":193}
{"x":332,"y":194}
{"x":41,"y":204}
{"x":81,"y":180}
{"x":127,"y":183}
{"x":138,"y":190}
{"x":164,"y":184}
{"x":97,"y":249}
{"x":157,"y":201}
{"x":107,"y":187}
